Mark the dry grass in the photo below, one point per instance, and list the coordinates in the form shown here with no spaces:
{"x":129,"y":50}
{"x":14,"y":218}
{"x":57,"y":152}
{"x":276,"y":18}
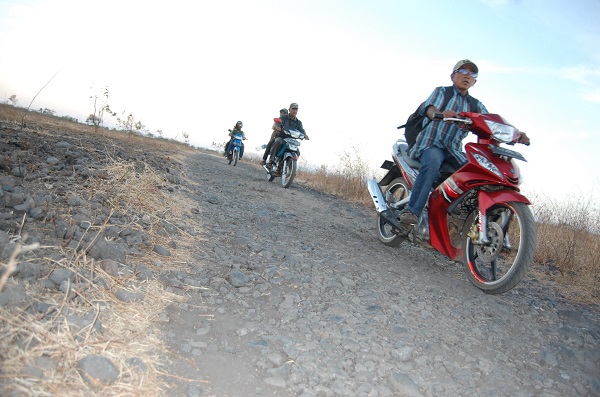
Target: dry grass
{"x":129,"y":330}
{"x":47,"y":124}
{"x":568,"y":242}
{"x":347,"y":180}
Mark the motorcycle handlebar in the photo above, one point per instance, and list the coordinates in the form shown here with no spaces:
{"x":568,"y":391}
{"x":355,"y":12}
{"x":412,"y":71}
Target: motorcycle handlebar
{"x":458,"y":120}
{"x":469,"y":121}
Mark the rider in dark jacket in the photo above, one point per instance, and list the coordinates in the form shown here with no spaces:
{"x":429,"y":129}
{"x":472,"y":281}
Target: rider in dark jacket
{"x":288,"y":122}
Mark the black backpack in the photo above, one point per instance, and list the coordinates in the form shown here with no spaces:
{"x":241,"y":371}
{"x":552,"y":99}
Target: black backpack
{"x":414,"y":124}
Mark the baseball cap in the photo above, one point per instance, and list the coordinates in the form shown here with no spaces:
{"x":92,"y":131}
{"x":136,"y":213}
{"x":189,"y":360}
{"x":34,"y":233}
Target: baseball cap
{"x":284,"y":111}
{"x":464,"y":62}
{"x":293,"y":105}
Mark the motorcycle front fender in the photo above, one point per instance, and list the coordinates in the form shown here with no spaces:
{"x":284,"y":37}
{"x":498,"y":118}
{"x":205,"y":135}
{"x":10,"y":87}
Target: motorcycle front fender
{"x":488,"y":199}
{"x":293,"y":155}
{"x":438,"y":219}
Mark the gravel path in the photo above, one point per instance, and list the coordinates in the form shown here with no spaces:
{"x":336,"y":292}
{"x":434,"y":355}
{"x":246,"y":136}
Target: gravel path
{"x":299,"y":298}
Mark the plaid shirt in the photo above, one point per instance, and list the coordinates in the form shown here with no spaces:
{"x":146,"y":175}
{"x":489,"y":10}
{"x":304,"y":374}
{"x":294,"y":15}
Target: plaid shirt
{"x":444,"y":135}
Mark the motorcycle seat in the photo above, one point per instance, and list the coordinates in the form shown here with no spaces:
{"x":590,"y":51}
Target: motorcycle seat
{"x":416,"y":164}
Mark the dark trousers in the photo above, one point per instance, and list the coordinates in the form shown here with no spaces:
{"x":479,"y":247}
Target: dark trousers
{"x":268,"y":149}
{"x":277,"y":143}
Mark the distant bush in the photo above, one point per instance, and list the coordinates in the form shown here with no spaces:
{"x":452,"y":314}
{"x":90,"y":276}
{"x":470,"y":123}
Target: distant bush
{"x":569,"y":241}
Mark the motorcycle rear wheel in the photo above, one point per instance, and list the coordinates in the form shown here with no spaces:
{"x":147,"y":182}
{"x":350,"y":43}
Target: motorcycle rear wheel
{"x":499,"y":265}
{"x":394,"y":192}
{"x":288,"y":172}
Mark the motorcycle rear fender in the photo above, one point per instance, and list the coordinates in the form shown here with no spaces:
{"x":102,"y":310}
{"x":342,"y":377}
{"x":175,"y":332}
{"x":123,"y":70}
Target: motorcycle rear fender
{"x":393,"y":173}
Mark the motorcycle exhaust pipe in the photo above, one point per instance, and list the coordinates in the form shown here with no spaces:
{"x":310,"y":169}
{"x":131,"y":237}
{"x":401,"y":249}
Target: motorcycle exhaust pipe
{"x":377,"y":195}
{"x":382,"y":207}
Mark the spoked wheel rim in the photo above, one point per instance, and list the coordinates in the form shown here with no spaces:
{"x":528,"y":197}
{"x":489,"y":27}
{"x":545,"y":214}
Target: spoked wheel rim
{"x":395,"y":191}
{"x":288,"y":172}
{"x":499,"y":264}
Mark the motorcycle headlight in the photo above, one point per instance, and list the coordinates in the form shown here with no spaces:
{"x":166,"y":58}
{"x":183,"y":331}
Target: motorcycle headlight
{"x":502,"y":132}
{"x":487,"y":164}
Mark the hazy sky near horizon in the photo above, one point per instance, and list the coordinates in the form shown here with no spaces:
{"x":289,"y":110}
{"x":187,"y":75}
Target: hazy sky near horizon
{"x":356,"y":68}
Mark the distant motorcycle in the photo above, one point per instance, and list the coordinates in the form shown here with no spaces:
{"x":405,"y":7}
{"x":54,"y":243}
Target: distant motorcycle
{"x":475,"y":213}
{"x":288,"y":155}
{"x":236,"y":146}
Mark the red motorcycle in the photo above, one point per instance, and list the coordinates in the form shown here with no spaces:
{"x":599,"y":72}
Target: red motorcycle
{"x":475,"y":213}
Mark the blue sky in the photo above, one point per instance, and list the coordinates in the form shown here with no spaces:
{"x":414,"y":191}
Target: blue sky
{"x":357,"y":69}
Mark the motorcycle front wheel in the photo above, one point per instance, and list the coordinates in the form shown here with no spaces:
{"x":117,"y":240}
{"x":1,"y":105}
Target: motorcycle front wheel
{"x":236,"y":156}
{"x":394,"y":192}
{"x":500,"y":263}
{"x":288,"y":172}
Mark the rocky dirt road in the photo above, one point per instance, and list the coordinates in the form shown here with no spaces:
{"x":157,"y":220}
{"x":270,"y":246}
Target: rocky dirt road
{"x":283,"y":292}
{"x":299,"y":298}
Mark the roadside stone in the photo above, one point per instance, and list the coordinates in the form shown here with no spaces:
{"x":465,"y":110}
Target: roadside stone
{"x":128,"y":296}
{"x":110,"y":266}
{"x":58,"y":276}
{"x":103,"y":249}
{"x":162,"y":251}
{"x":238,"y":278}
{"x":98,"y":368}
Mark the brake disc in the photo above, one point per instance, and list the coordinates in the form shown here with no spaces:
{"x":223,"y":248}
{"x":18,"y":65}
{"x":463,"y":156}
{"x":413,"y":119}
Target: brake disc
{"x":489,"y":252}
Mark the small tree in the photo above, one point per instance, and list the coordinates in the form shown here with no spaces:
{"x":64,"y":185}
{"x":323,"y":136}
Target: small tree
{"x":100,"y":107}
{"x":47,"y":111}
{"x":186,"y":137}
{"x":139,"y":127}
{"x":13,"y":99}
{"x":91,"y":120}
{"x":127,"y":123}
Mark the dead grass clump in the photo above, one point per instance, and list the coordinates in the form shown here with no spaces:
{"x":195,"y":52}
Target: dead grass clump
{"x":40,"y":350}
{"x":348,"y":179}
{"x":568,"y":241}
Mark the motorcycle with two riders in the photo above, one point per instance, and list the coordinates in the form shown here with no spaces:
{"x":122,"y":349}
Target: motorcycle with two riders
{"x":475,"y":214}
{"x":284,"y":163}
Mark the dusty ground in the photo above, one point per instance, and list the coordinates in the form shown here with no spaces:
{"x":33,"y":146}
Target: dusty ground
{"x":288,"y":292}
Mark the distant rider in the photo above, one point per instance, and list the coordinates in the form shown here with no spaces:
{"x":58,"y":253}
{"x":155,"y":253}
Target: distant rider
{"x":237,"y":129}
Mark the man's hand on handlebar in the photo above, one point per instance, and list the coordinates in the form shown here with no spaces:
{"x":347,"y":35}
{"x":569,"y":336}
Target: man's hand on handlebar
{"x":524,"y":139}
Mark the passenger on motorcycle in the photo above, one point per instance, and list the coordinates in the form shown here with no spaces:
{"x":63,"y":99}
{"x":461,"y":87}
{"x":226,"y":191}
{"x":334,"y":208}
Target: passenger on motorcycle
{"x":288,"y":122}
{"x":237,"y":129}
{"x":441,"y":141}
{"x":282,"y":113}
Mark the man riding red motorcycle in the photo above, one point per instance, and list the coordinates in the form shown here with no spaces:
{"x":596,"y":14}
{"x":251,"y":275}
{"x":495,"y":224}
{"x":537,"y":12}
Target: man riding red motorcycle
{"x":475,"y":210}
{"x":441,"y":141}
